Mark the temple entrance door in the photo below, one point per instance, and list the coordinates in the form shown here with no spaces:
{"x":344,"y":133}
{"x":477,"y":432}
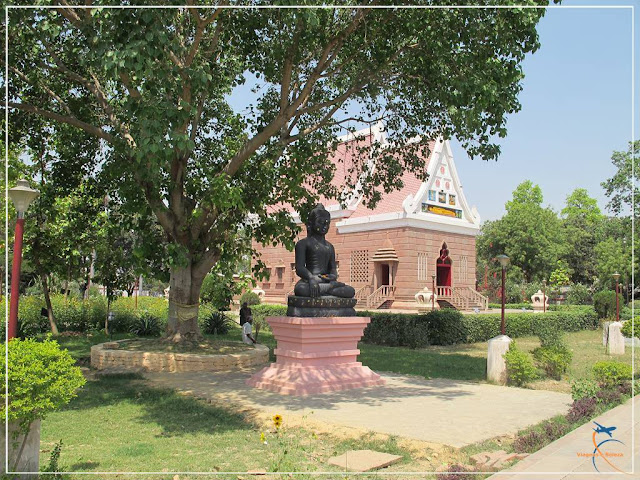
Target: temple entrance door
{"x":443,"y":271}
{"x":384,"y":274}
{"x":443,"y":275}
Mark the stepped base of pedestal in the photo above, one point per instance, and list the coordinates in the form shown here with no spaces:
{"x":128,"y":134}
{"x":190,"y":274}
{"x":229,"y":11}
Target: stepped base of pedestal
{"x":291,"y":380}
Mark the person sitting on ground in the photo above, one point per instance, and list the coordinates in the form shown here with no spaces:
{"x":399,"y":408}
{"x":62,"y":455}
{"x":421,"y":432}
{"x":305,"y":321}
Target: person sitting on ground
{"x":245,"y":312}
{"x":246,"y":332}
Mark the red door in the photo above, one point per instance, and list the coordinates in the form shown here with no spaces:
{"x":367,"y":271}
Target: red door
{"x":443,"y":276}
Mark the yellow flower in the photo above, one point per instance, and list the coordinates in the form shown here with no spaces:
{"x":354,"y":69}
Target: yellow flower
{"x":277,"y":420}
{"x":263,"y":438}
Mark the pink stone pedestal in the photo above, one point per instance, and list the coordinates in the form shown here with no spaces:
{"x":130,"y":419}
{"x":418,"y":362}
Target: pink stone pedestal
{"x":316,"y":355}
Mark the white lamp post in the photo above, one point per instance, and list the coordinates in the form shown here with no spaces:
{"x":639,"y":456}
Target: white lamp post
{"x":22,"y":195}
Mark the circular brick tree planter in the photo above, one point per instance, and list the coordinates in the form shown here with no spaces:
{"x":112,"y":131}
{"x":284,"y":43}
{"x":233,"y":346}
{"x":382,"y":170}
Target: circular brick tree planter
{"x":109,"y":355}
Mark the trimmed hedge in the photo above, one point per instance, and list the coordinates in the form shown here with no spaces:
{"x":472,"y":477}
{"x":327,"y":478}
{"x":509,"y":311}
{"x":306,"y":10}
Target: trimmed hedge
{"x":447,"y":327}
{"x":519,"y":306}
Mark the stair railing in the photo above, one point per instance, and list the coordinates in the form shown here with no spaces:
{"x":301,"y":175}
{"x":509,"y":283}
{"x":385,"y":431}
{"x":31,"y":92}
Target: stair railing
{"x":380,"y":295}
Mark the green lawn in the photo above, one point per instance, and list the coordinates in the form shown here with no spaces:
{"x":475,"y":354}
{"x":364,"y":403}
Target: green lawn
{"x":117,"y":423}
{"x":457,"y":362}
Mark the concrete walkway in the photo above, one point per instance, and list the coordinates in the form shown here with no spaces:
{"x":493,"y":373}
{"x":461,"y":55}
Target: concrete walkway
{"x":448,"y":412}
{"x":564,"y":459}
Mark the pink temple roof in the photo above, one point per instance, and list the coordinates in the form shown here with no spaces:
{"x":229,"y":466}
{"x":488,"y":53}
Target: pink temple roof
{"x":344,"y":158}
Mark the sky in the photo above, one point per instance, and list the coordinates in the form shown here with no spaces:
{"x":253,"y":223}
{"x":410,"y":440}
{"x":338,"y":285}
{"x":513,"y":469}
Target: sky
{"x":576,"y":111}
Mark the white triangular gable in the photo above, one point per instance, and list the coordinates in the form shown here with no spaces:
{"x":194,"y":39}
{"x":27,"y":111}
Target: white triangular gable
{"x":442,"y":195}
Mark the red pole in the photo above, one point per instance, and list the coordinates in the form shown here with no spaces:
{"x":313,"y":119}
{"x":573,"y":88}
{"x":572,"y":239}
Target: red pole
{"x":503,"y":329}
{"x":617,"y":303}
{"x":15,"y":278}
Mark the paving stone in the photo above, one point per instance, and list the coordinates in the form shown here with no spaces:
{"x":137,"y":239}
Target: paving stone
{"x":508,"y":458}
{"x":480,"y":458}
{"x":364,"y":460}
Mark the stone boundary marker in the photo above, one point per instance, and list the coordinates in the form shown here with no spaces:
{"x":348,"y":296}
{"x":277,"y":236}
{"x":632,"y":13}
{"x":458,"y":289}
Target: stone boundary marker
{"x":108,"y":355}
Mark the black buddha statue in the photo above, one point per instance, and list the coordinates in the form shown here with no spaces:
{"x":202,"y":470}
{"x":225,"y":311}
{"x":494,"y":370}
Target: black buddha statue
{"x":318,"y":292}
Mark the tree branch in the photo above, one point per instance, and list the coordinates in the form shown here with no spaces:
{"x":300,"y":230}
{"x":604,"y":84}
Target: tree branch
{"x":50,"y":92}
{"x":126,"y":81}
{"x":70,"y":120}
{"x":276,"y":124}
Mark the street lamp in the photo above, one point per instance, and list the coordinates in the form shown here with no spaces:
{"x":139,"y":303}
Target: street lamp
{"x":433,"y":292}
{"x":22,"y":195}
{"x":616,"y":277}
{"x":504,"y":261}
{"x":544,"y":296}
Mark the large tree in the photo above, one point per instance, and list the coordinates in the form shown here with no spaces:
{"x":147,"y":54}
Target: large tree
{"x":582,"y":222}
{"x":530,"y":234}
{"x":154,"y":86}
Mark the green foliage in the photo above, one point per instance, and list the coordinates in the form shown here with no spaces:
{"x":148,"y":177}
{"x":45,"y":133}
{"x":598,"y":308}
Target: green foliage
{"x":612,"y":373}
{"x":604,"y":303}
{"x":613,"y":255}
{"x":259,"y":312}
{"x":520,"y":367}
{"x":81,"y":316}
{"x":444,"y":327}
{"x":554,"y":360}
{"x":513,"y":306}
{"x":583,"y":389}
{"x":126,"y":315}
{"x":54,"y":462}
{"x":251,"y":298}
{"x":217,"y":323}
{"x":549,"y":336}
{"x":628,"y":328}
{"x":216,"y":291}
{"x":529,"y":234}
{"x":579,"y":294}
{"x":559,"y":277}
{"x":146,"y":325}
{"x":622,"y":187}
{"x":42,"y":378}
{"x":178,"y":148}
{"x":581,"y":221}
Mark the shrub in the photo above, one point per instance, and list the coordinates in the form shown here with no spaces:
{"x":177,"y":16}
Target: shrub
{"x":612,"y":373}
{"x":583,"y":389}
{"x":146,"y":325}
{"x":217,"y":290}
{"x":455,"y":471}
{"x":579,"y":294}
{"x":42,"y":378}
{"x":604,"y":303}
{"x":520,"y":367}
{"x":628,"y":328}
{"x":217,"y":323}
{"x":608,"y":397}
{"x":250,"y":297}
{"x":582,"y":410}
{"x":259,"y":312}
{"x":554,"y":360}
{"x":445,"y":327}
{"x":530,"y":442}
{"x":517,"y":306}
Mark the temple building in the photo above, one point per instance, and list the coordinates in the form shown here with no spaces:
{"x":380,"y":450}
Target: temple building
{"x":420,"y":235}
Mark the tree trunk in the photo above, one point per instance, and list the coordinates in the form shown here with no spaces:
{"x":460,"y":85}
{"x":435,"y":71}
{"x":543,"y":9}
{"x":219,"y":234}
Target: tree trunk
{"x":44,"y":278}
{"x":106,"y":319}
{"x":184,"y":297}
